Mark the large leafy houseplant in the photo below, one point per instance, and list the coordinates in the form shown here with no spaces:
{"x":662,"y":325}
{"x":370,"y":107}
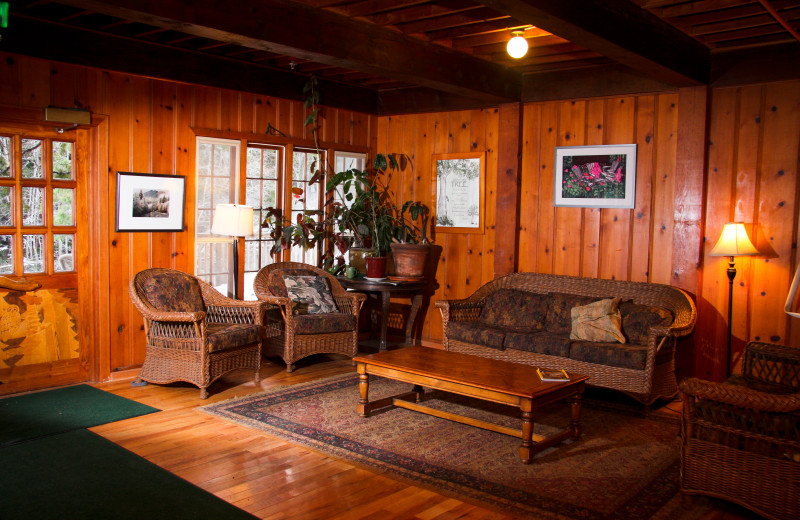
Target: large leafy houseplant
{"x":360,"y":209}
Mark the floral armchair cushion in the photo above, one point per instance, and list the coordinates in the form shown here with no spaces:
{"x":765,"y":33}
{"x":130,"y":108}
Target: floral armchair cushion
{"x":275,"y":282}
{"x":309,"y":295}
{"x":173,"y":291}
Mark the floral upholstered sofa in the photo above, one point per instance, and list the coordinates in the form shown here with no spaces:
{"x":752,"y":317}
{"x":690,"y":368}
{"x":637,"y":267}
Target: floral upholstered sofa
{"x":621,"y":334}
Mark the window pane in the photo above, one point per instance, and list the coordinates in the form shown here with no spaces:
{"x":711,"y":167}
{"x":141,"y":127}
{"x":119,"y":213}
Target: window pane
{"x":32,"y":159}
{"x":251,"y":251}
{"x":269,"y":193}
{"x":202,"y":263}
{"x":62,"y":207}
{"x":33,"y":253}
{"x":6,"y":254}
{"x":222,"y":190}
{"x":63,"y":259}
{"x":203,"y":223}
{"x":5,"y":156}
{"x":204,"y":159}
{"x":62,"y":160}
{"x":270,"y":165}
{"x":254,"y":162}
{"x":253,"y":193}
{"x":32,"y":206}
{"x":222,"y":159}
{"x":6,"y":215}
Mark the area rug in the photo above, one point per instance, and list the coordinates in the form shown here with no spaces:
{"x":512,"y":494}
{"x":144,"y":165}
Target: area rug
{"x":625,"y":465}
{"x":79,"y":475}
{"x":51,"y":412}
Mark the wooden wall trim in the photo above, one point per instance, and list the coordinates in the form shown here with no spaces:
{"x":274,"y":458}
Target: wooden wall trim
{"x":509,"y":162}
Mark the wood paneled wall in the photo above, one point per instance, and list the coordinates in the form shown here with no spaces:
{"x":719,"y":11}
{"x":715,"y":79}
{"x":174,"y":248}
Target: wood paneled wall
{"x":751,"y":175}
{"x":150,"y":127}
{"x":753,"y":143}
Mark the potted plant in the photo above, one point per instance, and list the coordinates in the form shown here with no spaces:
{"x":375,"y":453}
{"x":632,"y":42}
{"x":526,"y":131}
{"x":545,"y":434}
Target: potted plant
{"x":411,"y":253}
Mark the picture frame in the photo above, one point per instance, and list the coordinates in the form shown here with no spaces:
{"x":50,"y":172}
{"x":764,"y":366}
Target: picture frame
{"x":601,"y":176}
{"x":459,"y":192}
{"x":150,"y":202}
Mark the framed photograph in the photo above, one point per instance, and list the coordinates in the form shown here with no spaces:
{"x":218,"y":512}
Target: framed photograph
{"x":150,"y":202}
{"x":459,"y":193}
{"x":595,"y":176}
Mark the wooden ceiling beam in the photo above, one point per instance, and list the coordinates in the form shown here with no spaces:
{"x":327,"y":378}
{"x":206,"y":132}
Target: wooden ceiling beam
{"x":620,"y":30}
{"x":281,"y":27}
{"x":99,"y":50}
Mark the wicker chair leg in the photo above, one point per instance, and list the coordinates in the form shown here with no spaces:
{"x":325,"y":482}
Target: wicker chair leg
{"x":290,"y":368}
{"x":203,"y":392}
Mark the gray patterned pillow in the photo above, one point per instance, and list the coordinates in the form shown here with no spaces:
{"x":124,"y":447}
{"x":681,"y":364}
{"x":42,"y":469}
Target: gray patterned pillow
{"x":309,"y":295}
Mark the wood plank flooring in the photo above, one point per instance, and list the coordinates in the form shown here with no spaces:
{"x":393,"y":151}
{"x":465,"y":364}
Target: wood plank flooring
{"x":268,"y":477}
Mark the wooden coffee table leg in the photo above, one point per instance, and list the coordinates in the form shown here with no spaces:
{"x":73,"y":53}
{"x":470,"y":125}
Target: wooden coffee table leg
{"x":363,"y":390}
{"x":527,"y":431}
{"x":576,"y":413}
{"x":419,"y":392}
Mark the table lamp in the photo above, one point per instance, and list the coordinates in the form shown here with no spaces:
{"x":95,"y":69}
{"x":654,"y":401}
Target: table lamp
{"x":733,"y":242}
{"x":234,"y":220}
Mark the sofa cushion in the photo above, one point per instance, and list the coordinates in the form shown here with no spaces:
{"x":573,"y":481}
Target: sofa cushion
{"x":539,"y":342}
{"x":559,"y":312}
{"x":598,"y":321}
{"x":637,"y":320}
{"x":222,"y":336}
{"x":516,"y":310}
{"x":476,"y":333}
{"x":610,"y":354}
{"x":275,"y":283}
{"x":305,"y":324}
{"x":309,"y":295}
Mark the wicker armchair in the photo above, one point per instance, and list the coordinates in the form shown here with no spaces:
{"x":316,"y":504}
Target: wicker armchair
{"x":295,"y":336}
{"x":741,"y":438}
{"x":194,"y":333}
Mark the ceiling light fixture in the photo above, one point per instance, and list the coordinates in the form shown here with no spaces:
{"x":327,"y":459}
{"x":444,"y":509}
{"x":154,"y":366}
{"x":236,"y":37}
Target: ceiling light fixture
{"x":517,"y":46}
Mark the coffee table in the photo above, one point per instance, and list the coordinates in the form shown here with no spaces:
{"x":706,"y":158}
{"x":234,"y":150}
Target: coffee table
{"x":474,"y":376}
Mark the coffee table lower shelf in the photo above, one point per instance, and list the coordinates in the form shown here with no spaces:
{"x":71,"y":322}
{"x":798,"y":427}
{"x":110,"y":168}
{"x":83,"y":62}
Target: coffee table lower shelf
{"x":531,"y":443}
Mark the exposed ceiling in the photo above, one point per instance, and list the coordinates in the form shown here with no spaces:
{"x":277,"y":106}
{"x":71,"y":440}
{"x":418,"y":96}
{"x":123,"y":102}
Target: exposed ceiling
{"x":398,"y":56}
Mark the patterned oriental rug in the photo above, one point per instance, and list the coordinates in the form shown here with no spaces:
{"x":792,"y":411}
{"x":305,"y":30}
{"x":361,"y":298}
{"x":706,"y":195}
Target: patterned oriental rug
{"x":625,"y":465}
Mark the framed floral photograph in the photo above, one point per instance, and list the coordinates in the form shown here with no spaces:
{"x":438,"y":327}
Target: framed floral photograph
{"x":601,"y":176}
{"x":150,"y":202}
{"x":459,"y":192}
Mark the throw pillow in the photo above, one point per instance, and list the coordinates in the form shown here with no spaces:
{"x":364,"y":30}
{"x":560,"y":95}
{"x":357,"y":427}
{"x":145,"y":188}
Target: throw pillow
{"x":309,"y":295}
{"x":598,"y":321}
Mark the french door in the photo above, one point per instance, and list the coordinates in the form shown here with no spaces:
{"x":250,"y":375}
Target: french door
{"x":42,"y":193}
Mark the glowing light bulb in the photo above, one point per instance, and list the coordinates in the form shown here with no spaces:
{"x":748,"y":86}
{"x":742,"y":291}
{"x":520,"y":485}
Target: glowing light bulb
{"x":517,"y":46}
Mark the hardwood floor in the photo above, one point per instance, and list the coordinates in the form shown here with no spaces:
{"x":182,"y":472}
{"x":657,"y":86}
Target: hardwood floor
{"x":268,"y":477}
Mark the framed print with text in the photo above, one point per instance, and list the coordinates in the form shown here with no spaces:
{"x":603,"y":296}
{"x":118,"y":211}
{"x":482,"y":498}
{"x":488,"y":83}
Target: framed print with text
{"x":459,"y":196}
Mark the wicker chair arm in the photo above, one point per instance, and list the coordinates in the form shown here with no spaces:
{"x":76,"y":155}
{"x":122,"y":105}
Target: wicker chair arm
{"x":350,"y":302}
{"x":239,"y":312}
{"x":736,"y":395}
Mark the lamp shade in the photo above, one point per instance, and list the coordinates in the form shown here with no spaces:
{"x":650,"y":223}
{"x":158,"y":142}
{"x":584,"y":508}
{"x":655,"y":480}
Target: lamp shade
{"x":517,"y":46}
{"x":734,"y":242}
{"x":235,"y":220}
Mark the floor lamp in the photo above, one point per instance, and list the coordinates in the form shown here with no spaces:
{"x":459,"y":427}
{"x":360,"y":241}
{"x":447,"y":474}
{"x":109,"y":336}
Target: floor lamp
{"x":733,"y":242}
{"x":233,"y":220}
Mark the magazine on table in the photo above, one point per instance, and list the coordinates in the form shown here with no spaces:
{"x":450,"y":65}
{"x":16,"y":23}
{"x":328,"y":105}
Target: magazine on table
{"x":551,"y":374}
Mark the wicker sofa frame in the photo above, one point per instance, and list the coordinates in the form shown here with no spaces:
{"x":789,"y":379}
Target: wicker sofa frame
{"x":280,"y":339}
{"x":740,"y":440}
{"x":657,"y":380}
{"x":177,"y":342}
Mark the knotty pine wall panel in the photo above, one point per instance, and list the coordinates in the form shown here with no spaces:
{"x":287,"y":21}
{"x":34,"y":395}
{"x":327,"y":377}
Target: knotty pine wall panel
{"x":150,"y":130}
{"x":752,"y":177}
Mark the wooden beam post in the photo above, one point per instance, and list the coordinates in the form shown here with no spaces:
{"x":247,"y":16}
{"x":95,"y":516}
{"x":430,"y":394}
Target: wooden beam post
{"x":509,"y":162}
